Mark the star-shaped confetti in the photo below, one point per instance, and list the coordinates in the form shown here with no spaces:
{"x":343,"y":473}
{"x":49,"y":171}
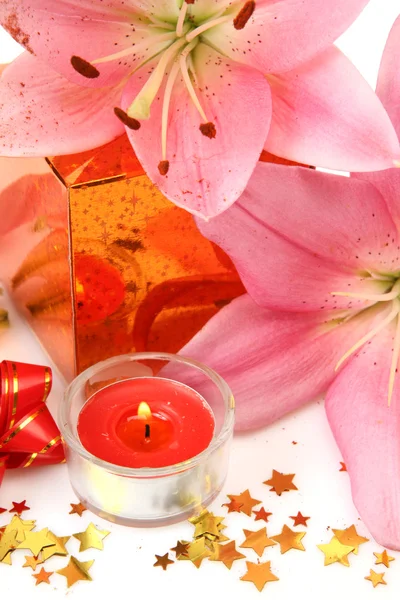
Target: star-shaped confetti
{"x":280,"y":483}
{"x":350,"y":537}
{"x":91,"y":538}
{"x":226,"y":553}
{"x":260,"y":574}
{"x":181,"y":548}
{"x":35,"y":541}
{"x":233,"y":506}
{"x":163,"y":561}
{"x":77,"y":509}
{"x":207,"y":524}
{"x":383,"y":558}
{"x":289,"y":539}
{"x":198,"y":551}
{"x":20,"y":526}
{"x":43,"y":576}
{"x":76,"y":571}
{"x":299,"y":519}
{"x":19,"y":507}
{"x":7,"y":559}
{"x":7,"y":543}
{"x":335,"y":551}
{"x":258,"y":540}
{"x":376,"y":578}
{"x":343,"y":467}
{"x":57,"y":549}
{"x":261,"y":514}
{"x":246,"y":502}
{"x":32,"y":562}
{"x":2,"y":510}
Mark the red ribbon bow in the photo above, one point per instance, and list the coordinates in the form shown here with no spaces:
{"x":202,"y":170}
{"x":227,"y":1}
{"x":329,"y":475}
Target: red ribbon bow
{"x":28,"y":433}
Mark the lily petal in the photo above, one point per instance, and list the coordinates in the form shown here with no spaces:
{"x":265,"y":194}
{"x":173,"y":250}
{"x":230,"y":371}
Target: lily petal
{"x":325,"y":114}
{"x":367,"y":432}
{"x":284,"y":266}
{"x":57,"y":30}
{"x":274,"y":362}
{"x":388,"y":184}
{"x":388,"y":86}
{"x":281,"y":35}
{"x":42,"y":114}
{"x":205,"y":175}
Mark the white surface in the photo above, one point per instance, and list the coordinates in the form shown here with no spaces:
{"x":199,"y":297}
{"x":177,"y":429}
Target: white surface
{"x":124,"y":568}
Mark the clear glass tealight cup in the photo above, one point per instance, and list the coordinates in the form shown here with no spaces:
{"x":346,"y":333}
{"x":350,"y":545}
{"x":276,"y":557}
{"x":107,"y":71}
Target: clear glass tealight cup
{"x":148,"y":496}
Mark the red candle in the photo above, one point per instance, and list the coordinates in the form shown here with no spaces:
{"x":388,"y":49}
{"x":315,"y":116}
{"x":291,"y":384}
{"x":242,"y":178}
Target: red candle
{"x":146,"y":422}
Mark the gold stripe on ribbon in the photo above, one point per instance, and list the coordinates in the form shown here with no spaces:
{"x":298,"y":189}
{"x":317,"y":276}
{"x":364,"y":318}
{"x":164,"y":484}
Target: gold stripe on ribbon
{"x":15,"y":392}
{"x":30,"y":460}
{"x":34,"y":455}
{"x":22,"y":426}
{"x":47,"y":382}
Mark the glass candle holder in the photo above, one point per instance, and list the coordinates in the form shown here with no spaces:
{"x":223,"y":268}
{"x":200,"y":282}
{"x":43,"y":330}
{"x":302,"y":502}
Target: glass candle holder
{"x":148,"y":496}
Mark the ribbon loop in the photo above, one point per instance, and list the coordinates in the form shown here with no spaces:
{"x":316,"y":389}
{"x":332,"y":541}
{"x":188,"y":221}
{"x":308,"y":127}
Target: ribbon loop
{"x":28,"y":433}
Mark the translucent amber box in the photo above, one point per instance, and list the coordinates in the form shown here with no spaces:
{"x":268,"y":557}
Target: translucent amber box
{"x":100,"y":263}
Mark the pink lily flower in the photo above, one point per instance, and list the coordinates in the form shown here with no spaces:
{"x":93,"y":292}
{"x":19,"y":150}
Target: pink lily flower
{"x":200,"y":86}
{"x":320,"y":258}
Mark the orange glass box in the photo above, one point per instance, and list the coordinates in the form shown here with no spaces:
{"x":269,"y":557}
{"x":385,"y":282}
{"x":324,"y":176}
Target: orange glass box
{"x":100,"y":263}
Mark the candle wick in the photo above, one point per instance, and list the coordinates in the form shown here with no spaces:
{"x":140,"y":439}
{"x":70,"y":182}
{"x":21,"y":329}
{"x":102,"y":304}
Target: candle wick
{"x":147,"y":432}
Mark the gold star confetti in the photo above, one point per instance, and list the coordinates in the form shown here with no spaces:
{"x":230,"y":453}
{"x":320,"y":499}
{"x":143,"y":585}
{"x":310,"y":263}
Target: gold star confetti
{"x":206,"y":524}
{"x":261,"y":514}
{"x":246,"y":502}
{"x":343,"y":467}
{"x":181,"y":549}
{"x":76,"y":571}
{"x":7,"y":559}
{"x":350,"y":537}
{"x":299,"y":520}
{"x":32,"y":562}
{"x":383,"y":558}
{"x":35,"y":541}
{"x":43,"y":576}
{"x":198,"y":551}
{"x":77,"y":509}
{"x":7,"y":543}
{"x":259,"y":574}
{"x":20,"y":526}
{"x":376,"y":578}
{"x":289,"y":540}
{"x":280,"y":483}
{"x":233,"y":506}
{"x":163,"y":561}
{"x":258,"y":540}
{"x":19,"y":507}
{"x":58,"y":548}
{"x":226,"y":553}
{"x":91,"y":538}
{"x":335,"y":551}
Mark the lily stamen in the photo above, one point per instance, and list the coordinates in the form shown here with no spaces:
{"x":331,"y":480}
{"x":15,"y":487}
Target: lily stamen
{"x":205,"y":26}
{"x":181,"y":19}
{"x":165,"y":109}
{"x":385,"y":297}
{"x":140,"y":107}
{"x":187,"y":80}
{"x":393,"y":314}
{"x":134,"y":49}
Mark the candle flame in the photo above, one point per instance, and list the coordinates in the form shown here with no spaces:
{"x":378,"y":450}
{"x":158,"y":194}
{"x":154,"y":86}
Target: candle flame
{"x":144,"y":411}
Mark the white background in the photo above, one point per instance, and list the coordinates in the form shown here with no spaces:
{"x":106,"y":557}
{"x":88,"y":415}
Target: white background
{"x":124,"y":568}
